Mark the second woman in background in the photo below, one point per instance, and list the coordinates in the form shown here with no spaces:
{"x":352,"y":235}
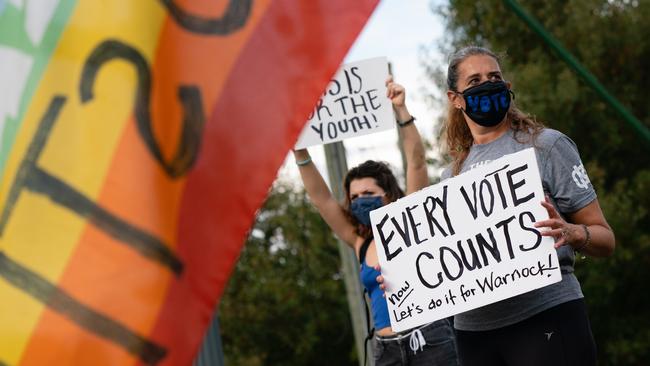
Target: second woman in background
{"x":367,"y":187}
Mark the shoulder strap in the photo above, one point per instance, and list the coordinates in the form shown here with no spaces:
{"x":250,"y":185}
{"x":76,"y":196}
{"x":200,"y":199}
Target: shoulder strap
{"x":364,"y":249}
{"x":370,"y":331}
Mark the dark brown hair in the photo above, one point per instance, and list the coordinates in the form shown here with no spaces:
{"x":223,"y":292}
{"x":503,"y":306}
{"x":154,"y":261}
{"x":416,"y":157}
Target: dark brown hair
{"x":384,"y":178}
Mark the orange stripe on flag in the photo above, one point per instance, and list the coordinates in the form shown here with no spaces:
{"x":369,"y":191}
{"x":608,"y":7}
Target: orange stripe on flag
{"x":286,"y":64}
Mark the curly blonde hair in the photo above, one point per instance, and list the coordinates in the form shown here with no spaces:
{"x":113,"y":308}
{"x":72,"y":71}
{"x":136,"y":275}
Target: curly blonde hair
{"x":456,"y":135}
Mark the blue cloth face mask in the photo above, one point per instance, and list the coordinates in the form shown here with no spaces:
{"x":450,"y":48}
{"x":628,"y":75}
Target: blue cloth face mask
{"x":361,"y":207}
{"x":487,"y":103}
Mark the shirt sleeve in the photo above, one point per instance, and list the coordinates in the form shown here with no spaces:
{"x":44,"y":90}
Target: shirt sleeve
{"x":446,"y":174}
{"x":566,"y":177}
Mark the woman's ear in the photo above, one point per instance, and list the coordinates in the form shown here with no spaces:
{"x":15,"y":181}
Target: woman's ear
{"x":454,"y":98}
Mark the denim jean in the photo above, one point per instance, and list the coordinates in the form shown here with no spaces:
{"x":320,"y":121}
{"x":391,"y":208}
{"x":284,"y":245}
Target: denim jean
{"x":436,"y":345}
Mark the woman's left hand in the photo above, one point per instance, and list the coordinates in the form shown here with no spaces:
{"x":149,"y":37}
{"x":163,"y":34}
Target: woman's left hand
{"x":397,"y":95}
{"x":395,"y":92}
{"x":563,"y":232}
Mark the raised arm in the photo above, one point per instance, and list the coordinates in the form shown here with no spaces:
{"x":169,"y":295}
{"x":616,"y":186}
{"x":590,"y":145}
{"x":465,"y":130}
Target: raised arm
{"x":416,"y":166}
{"x":322,"y":198}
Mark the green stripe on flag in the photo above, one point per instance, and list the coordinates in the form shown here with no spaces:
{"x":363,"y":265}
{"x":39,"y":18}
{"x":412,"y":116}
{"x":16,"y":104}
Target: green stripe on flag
{"x":13,"y":34}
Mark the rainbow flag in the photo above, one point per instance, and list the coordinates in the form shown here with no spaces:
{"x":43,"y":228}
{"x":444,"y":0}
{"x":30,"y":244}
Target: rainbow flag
{"x":139,"y":137}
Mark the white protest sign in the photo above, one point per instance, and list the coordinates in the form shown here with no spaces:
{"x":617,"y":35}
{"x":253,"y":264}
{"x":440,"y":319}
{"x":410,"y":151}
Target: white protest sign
{"x":354,"y":104}
{"x":464,"y":243}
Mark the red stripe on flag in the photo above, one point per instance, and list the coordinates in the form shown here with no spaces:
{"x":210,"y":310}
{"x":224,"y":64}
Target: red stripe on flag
{"x":286,"y":64}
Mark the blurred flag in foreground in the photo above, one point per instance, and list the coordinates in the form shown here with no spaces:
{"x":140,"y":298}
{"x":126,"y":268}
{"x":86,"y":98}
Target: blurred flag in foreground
{"x":137,"y":140}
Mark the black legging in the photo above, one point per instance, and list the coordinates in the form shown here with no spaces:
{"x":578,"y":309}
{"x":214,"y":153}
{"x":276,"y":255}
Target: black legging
{"x":558,"y":336}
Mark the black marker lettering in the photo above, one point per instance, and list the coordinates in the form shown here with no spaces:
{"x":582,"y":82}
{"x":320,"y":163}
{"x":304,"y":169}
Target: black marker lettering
{"x":319,"y":108}
{"x":428,"y":211}
{"x":418,"y":266}
{"x":497,"y":179}
{"x":356,"y":106}
{"x":487,"y":212}
{"x":319,"y":130}
{"x":95,"y":322}
{"x":506,"y":234}
{"x":338,"y":88}
{"x":403,"y":230}
{"x":483,"y":245}
{"x":513,"y":186}
{"x":414,"y":225}
{"x":344,"y":126}
{"x":37,"y":180}
{"x":385,"y":241}
{"x":341,"y":102}
{"x":372,"y":98}
{"x":476,"y":263}
{"x":190,"y":97}
{"x":473,"y":209}
{"x":363,"y":122}
{"x":354,"y":71}
{"x":331,"y":130}
{"x":443,"y":261}
{"x":234,"y":18}
{"x":538,"y":236}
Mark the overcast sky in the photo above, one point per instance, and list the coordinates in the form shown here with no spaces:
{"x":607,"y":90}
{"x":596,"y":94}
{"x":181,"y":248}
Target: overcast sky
{"x":397,"y":29}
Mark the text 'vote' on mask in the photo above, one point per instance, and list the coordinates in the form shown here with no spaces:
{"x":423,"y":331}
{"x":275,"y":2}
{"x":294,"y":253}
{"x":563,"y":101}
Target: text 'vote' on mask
{"x":487,"y":103}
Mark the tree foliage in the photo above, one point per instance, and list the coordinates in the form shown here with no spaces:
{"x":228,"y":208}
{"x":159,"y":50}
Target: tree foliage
{"x":610,"y":38}
{"x":285,"y":303}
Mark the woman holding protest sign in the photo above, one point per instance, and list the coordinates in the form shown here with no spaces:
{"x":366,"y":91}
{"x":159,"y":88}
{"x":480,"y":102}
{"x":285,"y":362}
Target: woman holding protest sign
{"x":547,"y":326}
{"x":367,"y":187}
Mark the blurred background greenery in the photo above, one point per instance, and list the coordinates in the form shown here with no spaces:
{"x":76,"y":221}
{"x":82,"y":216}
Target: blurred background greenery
{"x":285,"y":303}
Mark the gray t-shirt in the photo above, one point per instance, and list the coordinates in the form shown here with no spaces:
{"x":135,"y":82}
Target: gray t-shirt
{"x":565,"y":181}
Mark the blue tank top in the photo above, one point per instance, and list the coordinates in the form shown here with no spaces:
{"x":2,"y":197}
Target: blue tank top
{"x":379,"y":307}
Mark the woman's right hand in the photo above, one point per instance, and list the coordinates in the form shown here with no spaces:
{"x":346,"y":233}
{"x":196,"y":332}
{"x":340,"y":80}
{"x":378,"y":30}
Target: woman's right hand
{"x":380,"y":280}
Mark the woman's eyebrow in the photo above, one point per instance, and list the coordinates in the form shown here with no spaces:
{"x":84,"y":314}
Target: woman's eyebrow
{"x":472,"y":76}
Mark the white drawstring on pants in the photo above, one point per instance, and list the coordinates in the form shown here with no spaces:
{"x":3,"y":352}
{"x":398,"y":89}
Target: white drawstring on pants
{"x":417,"y":341}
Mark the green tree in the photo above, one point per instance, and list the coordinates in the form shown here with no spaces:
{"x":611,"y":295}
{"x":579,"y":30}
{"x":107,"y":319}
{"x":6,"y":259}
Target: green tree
{"x":285,"y":303}
{"x":610,"y":38}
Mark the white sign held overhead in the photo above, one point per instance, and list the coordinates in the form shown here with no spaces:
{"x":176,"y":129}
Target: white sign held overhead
{"x":354,"y":104}
{"x":464,"y":243}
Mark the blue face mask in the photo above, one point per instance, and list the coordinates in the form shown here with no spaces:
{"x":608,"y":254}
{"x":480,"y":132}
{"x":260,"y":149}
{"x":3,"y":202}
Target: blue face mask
{"x":362,"y":206}
{"x":487,"y":103}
